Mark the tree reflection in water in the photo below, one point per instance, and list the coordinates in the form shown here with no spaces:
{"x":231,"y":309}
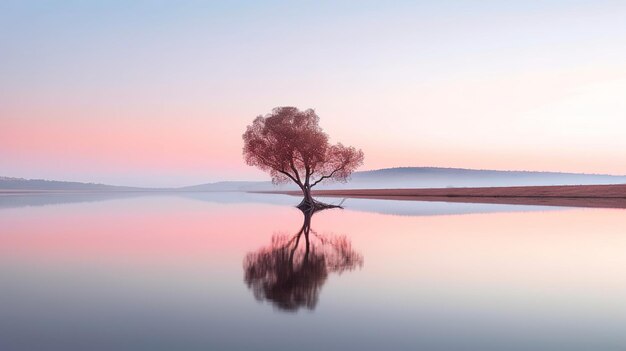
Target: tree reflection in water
{"x":292,"y":270}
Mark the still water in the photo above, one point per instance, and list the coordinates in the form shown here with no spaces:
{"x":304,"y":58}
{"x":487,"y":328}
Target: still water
{"x":228,"y":271}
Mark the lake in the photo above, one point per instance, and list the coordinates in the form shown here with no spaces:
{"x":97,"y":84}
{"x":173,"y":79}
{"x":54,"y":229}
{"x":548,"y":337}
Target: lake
{"x":231,"y":271}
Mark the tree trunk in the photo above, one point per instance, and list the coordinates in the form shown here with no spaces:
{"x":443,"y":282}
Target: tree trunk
{"x":308,"y":203}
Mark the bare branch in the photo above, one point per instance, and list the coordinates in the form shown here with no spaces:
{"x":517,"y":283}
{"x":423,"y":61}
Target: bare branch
{"x":327,"y":176}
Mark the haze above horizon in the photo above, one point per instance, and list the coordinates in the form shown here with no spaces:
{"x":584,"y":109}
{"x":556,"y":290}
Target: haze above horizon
{"x":158,"y":93}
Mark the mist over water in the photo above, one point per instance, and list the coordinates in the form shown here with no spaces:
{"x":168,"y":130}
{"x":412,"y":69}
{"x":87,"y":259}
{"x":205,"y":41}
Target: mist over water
{"x":430,"y":177}
{"x":173,"y":272}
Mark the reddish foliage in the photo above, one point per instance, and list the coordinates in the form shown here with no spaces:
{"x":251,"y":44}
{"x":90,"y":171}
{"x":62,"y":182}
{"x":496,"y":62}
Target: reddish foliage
{"x":290,"y":145}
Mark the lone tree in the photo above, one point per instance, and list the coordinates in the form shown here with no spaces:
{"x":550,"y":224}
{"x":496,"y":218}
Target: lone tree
{"x":291,"y":146}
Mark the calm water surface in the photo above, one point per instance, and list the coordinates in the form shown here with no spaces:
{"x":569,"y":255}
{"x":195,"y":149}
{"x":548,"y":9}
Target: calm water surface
{"x":232,"y":272}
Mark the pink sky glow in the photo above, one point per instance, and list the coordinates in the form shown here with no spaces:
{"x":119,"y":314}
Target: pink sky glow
{"x":157,"y":96}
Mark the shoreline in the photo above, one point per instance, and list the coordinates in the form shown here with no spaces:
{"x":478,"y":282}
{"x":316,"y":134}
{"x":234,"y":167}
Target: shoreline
{"x":593,"y":196}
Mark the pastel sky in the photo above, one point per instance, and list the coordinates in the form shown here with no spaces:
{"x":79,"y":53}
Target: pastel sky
{"x":158,"y":93}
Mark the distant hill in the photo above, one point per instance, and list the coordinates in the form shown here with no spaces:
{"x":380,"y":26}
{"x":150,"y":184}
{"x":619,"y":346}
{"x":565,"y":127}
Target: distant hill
{"x":433,"y":177}
{"x":430,"y":177}
{"x":403,"y":177}
{"x":7,"y":183}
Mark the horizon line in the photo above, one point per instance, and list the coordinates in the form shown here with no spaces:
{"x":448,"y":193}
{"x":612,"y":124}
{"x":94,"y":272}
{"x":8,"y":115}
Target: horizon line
{"x":3,"y":177}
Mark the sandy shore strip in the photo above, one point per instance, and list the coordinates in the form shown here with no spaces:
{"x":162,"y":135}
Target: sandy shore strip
{"x":600,"y":196}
